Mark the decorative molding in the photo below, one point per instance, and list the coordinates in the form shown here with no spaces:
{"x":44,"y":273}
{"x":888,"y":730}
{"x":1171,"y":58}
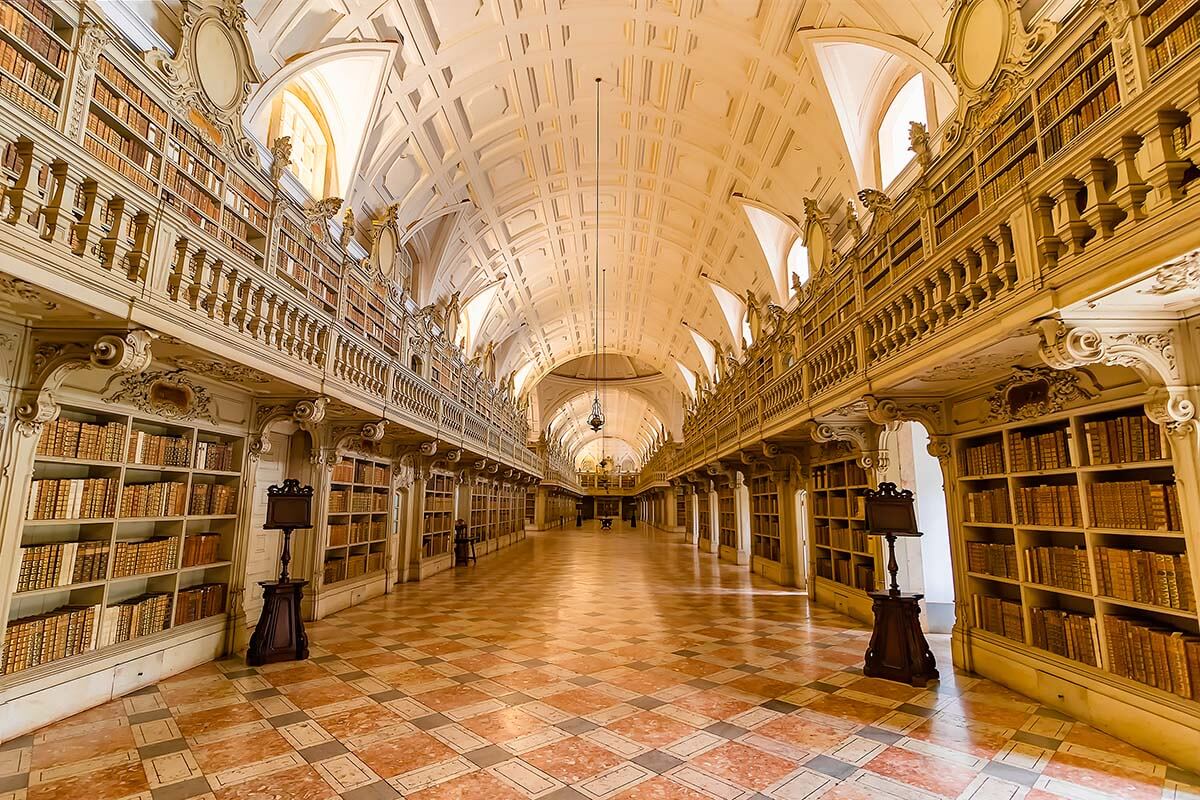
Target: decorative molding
{"x":216,"y":28}
{"x":887,"y":411}
{"x":221,"y":370}
{"x":17,"y":289}
{"x":1176,"y":275}
{"x":1030,"y":392}
{"x":170,"y":394}
{"x":93,"y":38}
{"x":1150,"y":353}
{"x":122,"y":354}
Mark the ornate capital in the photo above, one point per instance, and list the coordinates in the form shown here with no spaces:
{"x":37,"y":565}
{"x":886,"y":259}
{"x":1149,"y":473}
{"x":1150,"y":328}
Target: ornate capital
{"x":886,"y":411}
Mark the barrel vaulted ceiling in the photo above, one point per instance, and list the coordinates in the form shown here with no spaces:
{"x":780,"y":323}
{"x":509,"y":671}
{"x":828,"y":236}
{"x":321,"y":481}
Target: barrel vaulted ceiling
{"x":492,"y":102}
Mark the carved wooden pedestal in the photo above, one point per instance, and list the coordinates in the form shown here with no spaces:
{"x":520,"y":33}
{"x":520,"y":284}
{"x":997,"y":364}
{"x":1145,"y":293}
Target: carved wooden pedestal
{"x":279,"y":635}
{"x":898,"y":650}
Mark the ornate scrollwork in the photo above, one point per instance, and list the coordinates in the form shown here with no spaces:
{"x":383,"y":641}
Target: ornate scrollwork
{"x":171,"y":394}
{"x":93,"y":39}
{"x":1176,"y":275}
{"x":127,"y":353}
{"x":887,"y":411}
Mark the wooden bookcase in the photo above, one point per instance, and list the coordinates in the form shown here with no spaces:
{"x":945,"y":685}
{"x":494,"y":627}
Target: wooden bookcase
{"x":1170,"y":29}
{"x":129,"y":532}
{"x":727,"y":518}
{"x":956,"y":199}
{"x":1080,"y":90}
{"x":842,"y":551}
{"x":35,"y":47}
{"x":483,"y":517}
{"x":1074,"y":544}
{"x":764,"y":519}
{"x":437,"y":538}
{"x":704,"y":523}
{"x":357,"y":519}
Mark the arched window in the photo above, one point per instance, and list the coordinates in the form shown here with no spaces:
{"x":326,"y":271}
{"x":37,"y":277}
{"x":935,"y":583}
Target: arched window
{"x":416,"y":366}
{"x":295,"y":115}
{"x":907,"y":106}
{"x":797,"y":264}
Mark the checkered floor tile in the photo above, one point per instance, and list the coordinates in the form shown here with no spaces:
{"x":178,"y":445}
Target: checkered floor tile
{"x":580,"y":665}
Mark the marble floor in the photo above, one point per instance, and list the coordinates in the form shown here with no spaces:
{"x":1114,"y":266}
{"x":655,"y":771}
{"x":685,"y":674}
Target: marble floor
{"x":579,"y":665}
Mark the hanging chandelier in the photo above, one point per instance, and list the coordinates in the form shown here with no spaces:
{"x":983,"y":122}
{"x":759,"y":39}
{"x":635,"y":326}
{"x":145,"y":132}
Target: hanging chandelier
{"x":596,"y":420}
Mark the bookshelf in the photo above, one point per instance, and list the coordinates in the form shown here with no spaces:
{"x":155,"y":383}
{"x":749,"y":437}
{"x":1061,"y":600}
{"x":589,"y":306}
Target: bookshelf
{"x":1077,"y":92}
{"x":680,"y":508}
{"x":530,"y":506}
{"x":357,"y":518}
{"x":1075,"y":546}
{"x":956,"y":199}
{"x":1008,"y":153}
{"x":1170,"y":29}
{"x":437,"y":538}
{"x":727,"y":518}
{"x":764,"y":518}
{"x":35,"y":46}
{"x":483,"y":517}
{"x":129,"y":532}
{"x":704,"y":523}
{"x":842,"y":552}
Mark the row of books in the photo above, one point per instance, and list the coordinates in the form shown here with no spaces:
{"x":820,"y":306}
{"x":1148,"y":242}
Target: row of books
{"x":988,"y":505}
{"x":205,"y":176}
{"x":438,"y":503}
{"x":63,"y":632}
{"x":36,"y":9}
{"x":69,"y":438}
{"x":1066,"y":633}
{"x":986,"y":458}
{"x":109,"y":71}
{"x":1158,"y":579}
{"x":34,"y":104}
{"x":988,"y":558}
{"x":193,"y":195}
{"x":1142,"y":505}
{"x":201,"y":548}
{"x":44,"y":566}
{"x":157,"y":554}
{"x":1151,"y":654}
{"x":199,"y":602}
{"x":850,"y":539}
{"x":343,"y":472}
{"x":1064,"y":567}
{"x":132,"y":116}
{"x":1163,"y":14}
{"x":72,"y":498}
{"x":29,"y":72}
{"x":213,"y":499}
{"x":765,"y":547}
{"x":955,"y":196}
{"x":119,"y":154}
{"x":1047,"y":450}
{"x":1011,"y":177}
{"x":158,"y":450}
{"x":948,"y":226}
{"x":1078,"y":121}
{"x":834,"y":476}
{"x":1078,"y":56}
{"x":435,"y":544}
{"x":1055,"y":505}
{"x":999,"y":158}
{"x":214,"y":456}
{"x":1054,"y":107}
{"x":1179,"y":40}
{"x":138,"y":616}
{"x":161,"y":499}
{"x":341,"y":568}
{"x":1124,"y":439}
{"x":999,"y":616}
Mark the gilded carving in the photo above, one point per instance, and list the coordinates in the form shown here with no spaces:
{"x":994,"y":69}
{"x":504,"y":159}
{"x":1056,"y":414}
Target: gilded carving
{"x":1034,"y":392}
{"x":1176,"y":275}
{"x":221,"y":370}
{"x":171,"y":394}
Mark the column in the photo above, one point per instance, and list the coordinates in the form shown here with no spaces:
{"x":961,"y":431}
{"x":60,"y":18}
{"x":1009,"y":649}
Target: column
{"x":714,"y":517}
{"x":671,"y":519}
{"x":741,"y":510}
{"x":793,"y":530}
{"x":690,"y":505}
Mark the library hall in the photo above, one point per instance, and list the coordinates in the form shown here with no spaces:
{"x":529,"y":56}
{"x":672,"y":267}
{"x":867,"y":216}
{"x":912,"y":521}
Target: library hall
{"x":599,"y":400}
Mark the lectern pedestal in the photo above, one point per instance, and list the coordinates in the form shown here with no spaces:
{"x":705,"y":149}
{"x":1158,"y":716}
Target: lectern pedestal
{"x":898,"y":650}
{"x":279,"y":635}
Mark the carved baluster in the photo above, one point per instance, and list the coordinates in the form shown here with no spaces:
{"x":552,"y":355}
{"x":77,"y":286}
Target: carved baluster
{"x":244,"y":314}
{"x":254,"y":311}
{"x":1167,"y":170}
{"x":231,"y":297}
{"x":14,"y":193}
{"x":212,"y":297}
{"x":196,"y":281}
{"x":1129,"y":191}
{"x":46,"y":217}
{"x":1101,"y":214}
{"x":81,"y":229}
{"x":1008,"y":257}
{"x":178,"y":269}
{"x":990,"y":278}
{"x":138,"y":258}
{"x":114,"y":216}
{"x":1049,"y":244}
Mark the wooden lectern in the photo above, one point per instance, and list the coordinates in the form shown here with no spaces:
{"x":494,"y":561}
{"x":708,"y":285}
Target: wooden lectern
{"x":898,"y":650}
{"x":279,"y":635}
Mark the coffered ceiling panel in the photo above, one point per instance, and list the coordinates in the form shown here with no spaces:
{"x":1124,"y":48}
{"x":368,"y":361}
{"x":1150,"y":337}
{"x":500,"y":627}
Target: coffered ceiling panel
{"x":492,"y":101}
